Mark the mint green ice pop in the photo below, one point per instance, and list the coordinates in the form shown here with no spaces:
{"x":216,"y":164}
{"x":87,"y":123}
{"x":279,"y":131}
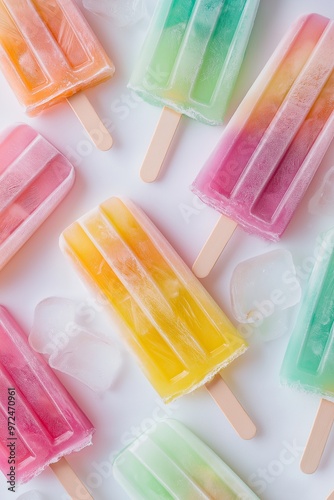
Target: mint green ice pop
{"x":168,"y":462}
{"x":309,"y":360}
{"x":192,"y":56}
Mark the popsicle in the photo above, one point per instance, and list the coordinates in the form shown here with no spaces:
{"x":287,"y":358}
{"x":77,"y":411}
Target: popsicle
{"x":34,"y":178}
{"x":40,"y":422}
{"x":189,"y":65}
{"x":179,"y":335}
{"x":274,"y":143}
{"x":309,"y":360}
{"x":168,"y":461}
{"x":49,"y":53}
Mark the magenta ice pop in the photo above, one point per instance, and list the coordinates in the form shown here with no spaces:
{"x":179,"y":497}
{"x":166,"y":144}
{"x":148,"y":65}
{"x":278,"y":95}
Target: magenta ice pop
{"x":274,"y":143}
{"x":38,"y":417}
{"x":34,"y":179}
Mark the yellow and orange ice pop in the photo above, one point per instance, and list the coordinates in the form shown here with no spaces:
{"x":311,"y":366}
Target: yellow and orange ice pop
{"x":180,"y":336}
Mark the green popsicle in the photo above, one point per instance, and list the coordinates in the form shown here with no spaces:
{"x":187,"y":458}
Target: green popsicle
{"x":189,"y":65}
{"x":192,"y":55}
{"x":169,"y":462}
{"x":309,"y":361}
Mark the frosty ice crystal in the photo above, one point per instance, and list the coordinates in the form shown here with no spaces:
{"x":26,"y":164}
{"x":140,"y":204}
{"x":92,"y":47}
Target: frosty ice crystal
{"x":263,"y":285}
{"x":69,"y":338}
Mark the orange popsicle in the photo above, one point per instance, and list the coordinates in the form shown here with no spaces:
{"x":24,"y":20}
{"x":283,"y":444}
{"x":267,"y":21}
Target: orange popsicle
{"x":49,"y":53}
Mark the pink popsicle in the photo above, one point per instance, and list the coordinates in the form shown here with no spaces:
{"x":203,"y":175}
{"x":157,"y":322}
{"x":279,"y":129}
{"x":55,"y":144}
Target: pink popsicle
{"x":273,"y":145}
{"x":38,"y":417}
{"x":34,"y":178}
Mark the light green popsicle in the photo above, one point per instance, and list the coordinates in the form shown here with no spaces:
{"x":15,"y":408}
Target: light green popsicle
{"x":192,"y":55}
{"x":169,"y":462}
{"x":309,"y":360}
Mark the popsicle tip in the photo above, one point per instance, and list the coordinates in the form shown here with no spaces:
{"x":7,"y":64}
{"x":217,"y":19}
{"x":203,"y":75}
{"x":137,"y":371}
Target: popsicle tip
{"x":106,"y":143}
{"x":316,"y":443}
{"x":231,"y":407}
{"x":213,"y":247}
{"x":201,"y":269}
{"x":307,"y":466}
{"x":148,"y":175}
{"x":69,"y":479}
{"x":248,"y":431}
{"x":92,"y":123}
{"x":160,"y":144}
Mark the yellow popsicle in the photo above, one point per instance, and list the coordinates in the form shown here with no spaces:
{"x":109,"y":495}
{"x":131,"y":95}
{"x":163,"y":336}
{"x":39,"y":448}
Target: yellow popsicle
{"x":176,"y":330}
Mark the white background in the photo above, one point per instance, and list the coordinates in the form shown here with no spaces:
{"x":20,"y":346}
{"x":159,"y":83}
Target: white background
{"x":39,"y":270}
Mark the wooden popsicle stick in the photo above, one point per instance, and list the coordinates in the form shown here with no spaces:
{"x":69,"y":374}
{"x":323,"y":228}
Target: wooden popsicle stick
{"x":214,"y":246}
{"x":90,"y":120}
{"x":231,"y":407}
{"x":68,"y":478}
{"x":161,"y":141}
{"x":318,"y":437}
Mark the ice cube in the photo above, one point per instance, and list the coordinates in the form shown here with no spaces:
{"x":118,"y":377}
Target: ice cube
{"x":270,"y":327}
{"x":264,"y":285}
{"x":64,"y":331}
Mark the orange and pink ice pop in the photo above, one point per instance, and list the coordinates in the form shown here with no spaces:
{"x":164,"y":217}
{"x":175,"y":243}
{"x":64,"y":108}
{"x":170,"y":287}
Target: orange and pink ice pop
{"x":276,"y":140}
